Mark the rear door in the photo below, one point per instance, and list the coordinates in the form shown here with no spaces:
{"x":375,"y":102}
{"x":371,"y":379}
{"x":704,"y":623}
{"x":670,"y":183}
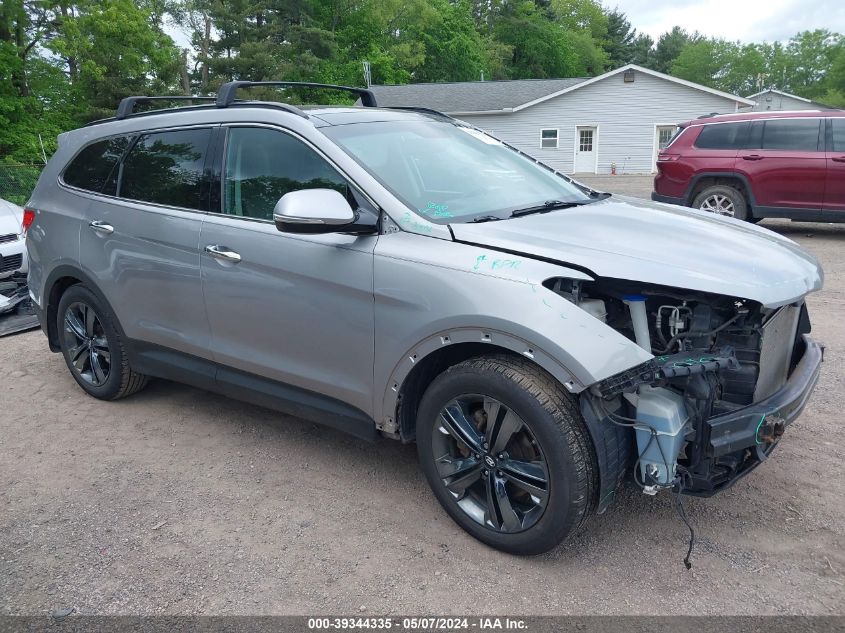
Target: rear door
{"x":784,"y":162}
{"x":834,"y":192}
{"x":141,"y":245}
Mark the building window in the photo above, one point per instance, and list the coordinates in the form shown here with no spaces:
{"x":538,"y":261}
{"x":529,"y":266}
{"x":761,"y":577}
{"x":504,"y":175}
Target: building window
{"x":548,"y":139}
{"x":664,"y":135}
{"x":585,"y":140}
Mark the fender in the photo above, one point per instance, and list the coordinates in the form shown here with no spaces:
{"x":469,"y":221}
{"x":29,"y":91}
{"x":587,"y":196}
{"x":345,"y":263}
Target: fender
{"x":432,"y":294}
{"x":49,"y":306}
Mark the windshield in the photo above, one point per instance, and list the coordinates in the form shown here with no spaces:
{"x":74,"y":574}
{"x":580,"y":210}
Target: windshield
{"x":448,"y":172}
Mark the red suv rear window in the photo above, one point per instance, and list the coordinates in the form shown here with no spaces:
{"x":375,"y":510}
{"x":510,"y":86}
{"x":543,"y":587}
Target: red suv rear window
{"x":723,"y":135}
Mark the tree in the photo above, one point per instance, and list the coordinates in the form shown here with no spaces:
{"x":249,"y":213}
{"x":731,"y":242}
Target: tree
{"x":112,"y":49}
{"x":810,"y":54}
{"x":669,"y":47}
{"x":544,"y":44}
{"x":642,"y":50}
{"x":621,"y":39}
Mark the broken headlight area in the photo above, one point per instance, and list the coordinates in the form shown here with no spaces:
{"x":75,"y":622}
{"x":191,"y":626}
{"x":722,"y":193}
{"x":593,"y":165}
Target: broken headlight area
{"x":708,"y":406}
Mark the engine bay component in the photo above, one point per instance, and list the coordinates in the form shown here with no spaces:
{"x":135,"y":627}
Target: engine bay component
{"x":594,"y":307}
{"x":662,"y":424}
{"x":685,"y":364}
{"x":639,"y":319}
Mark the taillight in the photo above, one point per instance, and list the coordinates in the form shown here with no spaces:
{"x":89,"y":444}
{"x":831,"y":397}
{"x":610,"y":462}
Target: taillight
{"x":28,"y":219}
{"x":667,"y":157}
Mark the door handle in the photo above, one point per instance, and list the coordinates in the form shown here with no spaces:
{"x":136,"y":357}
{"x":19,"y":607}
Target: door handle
{"x":752,"y":157}
{"x":838,"y":159}
{"x":101,"y":227}
{"x":223,"y":253}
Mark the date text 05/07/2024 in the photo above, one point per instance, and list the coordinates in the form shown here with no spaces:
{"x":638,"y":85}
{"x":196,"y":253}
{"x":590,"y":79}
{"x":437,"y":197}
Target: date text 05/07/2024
{"x":418,"y":623}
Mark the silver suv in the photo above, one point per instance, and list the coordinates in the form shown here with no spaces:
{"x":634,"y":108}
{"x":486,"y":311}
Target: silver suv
{"x":398,"y":273}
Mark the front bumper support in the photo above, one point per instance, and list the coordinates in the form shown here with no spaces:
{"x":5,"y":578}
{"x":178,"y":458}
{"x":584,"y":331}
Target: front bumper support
{"x":755,"y":424}
{"x":741,"y":440}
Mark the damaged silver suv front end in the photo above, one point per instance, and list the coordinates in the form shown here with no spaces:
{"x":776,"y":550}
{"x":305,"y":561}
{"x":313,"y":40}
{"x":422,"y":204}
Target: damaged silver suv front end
{"x":727,"y":377}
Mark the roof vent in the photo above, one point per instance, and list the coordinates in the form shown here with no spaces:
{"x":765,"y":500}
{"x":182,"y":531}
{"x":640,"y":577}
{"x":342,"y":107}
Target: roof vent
{"x":628,"y":76}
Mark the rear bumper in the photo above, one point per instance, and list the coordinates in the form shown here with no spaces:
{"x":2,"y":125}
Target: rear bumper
{"x":667,"y":199}
{"x":756,"y":429}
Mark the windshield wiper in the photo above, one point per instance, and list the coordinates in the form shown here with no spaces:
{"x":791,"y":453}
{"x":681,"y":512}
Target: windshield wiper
{"x":486,"y":218}
{"x":548,"y":205}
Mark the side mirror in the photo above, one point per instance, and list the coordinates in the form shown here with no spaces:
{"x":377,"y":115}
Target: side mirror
{"x":313,"y":211}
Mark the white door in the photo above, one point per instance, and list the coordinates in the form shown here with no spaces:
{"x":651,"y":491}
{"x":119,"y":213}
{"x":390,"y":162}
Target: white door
{"x":585,"y":149}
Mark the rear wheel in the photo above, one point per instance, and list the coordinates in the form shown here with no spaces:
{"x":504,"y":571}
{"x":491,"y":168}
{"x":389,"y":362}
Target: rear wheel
{"x":92,"y":347}
{"x":723,"y":200}
{"x":505,"y":451}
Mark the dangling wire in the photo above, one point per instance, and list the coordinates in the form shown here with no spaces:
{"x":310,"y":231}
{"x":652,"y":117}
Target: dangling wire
{"x":679,"y":506}
{"x":621,"y":420}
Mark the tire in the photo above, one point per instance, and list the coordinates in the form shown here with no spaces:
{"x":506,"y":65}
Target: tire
{"x":540,"y":434}
{"x":93,"y":348}
{"x":723,"y":200}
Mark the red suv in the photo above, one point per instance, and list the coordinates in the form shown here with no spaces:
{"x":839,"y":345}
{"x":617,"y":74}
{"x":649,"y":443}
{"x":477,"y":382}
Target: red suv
{"x":758,"y":165}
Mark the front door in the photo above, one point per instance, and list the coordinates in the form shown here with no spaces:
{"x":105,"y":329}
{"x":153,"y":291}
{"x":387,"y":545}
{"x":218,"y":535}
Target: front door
{"x":141,"y":247}
{"x":834,"y":191}
{"x":294,"y":309}
{"x":585,"y":149}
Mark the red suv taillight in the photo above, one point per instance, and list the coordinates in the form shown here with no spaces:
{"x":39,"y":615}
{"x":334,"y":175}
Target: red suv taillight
{"x":28,"y":218}
{"x":665,"y":158}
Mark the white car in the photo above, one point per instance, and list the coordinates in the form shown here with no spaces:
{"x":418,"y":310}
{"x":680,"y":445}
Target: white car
{"x":12,"y":242}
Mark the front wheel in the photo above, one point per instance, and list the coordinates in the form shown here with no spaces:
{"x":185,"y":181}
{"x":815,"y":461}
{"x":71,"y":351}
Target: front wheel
{"x":506,"y":453}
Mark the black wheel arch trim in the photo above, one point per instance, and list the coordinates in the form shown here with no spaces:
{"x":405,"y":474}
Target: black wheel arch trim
{"x":752,"y":202}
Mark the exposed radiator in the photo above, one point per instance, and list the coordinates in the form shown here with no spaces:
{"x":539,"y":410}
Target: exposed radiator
{"x":776,"y":350}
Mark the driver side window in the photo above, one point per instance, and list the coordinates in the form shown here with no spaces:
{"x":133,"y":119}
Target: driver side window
{"x":262,"y":165}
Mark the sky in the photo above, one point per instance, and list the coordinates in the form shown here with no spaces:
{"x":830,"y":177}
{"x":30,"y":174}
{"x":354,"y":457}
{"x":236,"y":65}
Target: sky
{"x":745,"y":20}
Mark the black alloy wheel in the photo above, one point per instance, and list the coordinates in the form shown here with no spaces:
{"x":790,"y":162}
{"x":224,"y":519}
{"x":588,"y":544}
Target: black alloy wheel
{"x":86,"y":343}
{"x":489,"y":460}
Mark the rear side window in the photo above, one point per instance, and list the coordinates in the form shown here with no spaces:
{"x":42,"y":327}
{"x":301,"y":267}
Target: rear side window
{"x":167,"y":168}
{"x":838,"y":135}
{"x":95,"y":167}
{"x":722,"y":136}
{"x":801,"y":135}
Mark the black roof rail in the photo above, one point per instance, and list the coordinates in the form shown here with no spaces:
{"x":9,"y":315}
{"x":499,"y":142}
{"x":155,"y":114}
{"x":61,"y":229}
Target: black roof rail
{"x":127,"y":104}
{"x":423,"y":110}
{"x":226,"y":94}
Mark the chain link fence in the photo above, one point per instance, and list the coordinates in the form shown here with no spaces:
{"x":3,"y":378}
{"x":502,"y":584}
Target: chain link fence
{"x":17,"y":181}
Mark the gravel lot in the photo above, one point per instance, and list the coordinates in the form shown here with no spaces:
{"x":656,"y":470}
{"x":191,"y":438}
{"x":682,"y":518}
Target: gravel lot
{"x":179,"y":501}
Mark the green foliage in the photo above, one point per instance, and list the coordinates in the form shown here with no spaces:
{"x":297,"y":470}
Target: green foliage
{"x":810,"y":65}
{"x":63,"y":63}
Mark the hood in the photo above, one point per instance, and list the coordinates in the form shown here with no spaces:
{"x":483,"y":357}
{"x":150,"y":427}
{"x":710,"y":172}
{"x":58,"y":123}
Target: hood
{"x":638,"y":240}
{"x":11,"y":218}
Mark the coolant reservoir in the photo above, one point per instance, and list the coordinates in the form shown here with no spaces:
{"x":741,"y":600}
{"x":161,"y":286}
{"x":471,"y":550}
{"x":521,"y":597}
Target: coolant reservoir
{"x":594,"y":307}
{"x":662,"y":410}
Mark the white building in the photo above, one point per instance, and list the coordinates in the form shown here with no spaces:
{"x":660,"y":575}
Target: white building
{"x":776,"y":100}
{"x":578,"y":125}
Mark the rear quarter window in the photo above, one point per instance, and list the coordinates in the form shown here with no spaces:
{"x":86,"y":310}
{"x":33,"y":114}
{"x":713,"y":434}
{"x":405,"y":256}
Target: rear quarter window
{"x":95,"y":167}
{"x":722,"y":136}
